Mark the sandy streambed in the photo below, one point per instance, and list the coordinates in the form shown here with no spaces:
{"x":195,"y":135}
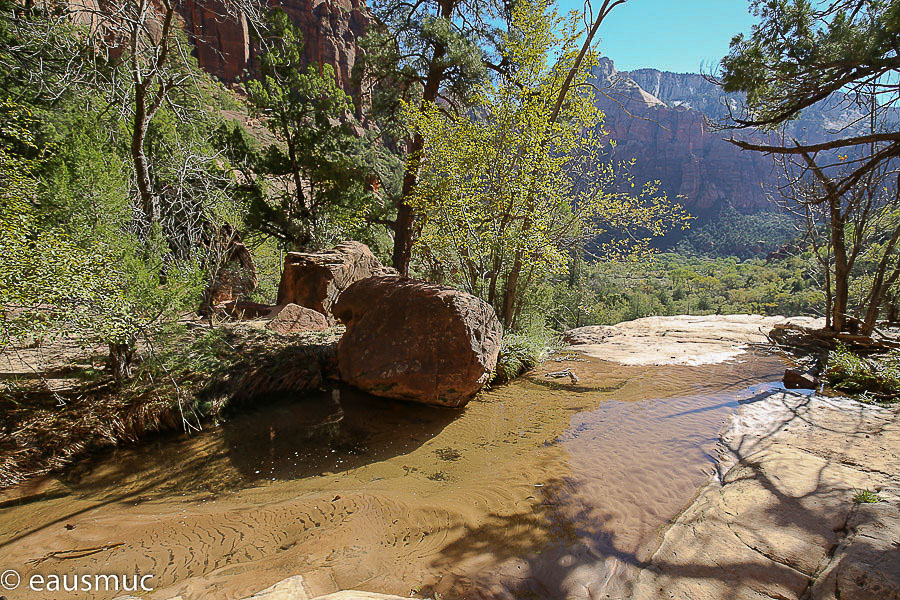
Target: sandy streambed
{"x":537,"y":489}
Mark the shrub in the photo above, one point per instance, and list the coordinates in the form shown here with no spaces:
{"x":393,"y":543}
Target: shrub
{"x":522,"y":351}
{"x":877,"y":376}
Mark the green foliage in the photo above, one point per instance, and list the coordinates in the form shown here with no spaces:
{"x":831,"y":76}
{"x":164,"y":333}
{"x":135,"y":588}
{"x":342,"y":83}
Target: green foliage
{"x":802,"y":50}
{"x":498,"y":199}
{"x":76,"y":261}
{"x":732,"y":233}
{"x":522,"y":351}
{"x":48,"y":283}
{"x":607,"y":293}
{"x":311,"y":188}
{"x":446,"y":44}
{"x":875,"y":377}
{"x":866,"y":497}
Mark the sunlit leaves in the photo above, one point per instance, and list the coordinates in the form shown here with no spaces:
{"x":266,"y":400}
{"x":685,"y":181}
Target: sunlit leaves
{"x":507,"y":191}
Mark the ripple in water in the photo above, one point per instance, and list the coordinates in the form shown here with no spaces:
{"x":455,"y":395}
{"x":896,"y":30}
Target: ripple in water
{"x":538,"y":489}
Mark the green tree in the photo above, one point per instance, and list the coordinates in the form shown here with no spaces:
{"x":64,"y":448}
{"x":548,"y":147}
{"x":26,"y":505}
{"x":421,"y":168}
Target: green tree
{"x":429,"y":52}
{"x":422,"y":53}
{"x":507,"y":190}
{"x":317,"y":181}
{"x":803,"y":52}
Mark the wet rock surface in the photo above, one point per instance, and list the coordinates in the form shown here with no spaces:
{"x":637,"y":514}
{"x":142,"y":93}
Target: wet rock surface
{"x":415,"y":341}
{"x":782,"y":521}
{"x":798,"y":380}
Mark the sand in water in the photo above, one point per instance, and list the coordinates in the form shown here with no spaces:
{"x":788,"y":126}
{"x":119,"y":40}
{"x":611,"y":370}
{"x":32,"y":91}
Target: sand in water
{"x":542,"y":489}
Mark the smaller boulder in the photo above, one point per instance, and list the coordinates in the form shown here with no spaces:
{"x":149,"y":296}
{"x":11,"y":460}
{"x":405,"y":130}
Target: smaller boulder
{"x":295,"y":319}
{"x":798,"y":380}
{"x":316,"y":279}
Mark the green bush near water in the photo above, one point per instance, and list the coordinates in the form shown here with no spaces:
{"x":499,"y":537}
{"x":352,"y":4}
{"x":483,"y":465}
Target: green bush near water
{"x":522,"y":351}
{"x":873,"y":377}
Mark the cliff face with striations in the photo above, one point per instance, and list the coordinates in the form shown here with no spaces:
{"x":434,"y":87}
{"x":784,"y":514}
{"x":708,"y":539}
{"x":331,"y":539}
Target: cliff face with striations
{"x":673,"y":143}
{"x":672,"y":135}
{"x":817,"y":123}
{"x":331,"y":29}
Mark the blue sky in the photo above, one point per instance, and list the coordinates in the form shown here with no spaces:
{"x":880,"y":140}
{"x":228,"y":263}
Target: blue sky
{"x":670,"y":35}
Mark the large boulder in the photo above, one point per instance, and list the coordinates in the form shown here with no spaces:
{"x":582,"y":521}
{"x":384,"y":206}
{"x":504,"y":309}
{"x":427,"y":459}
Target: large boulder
{"x":316,"y":279}
{"x":415,"y":341}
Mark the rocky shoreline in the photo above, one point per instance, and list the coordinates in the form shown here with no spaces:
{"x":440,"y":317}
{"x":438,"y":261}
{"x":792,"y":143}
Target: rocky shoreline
{"x":781,"y":518}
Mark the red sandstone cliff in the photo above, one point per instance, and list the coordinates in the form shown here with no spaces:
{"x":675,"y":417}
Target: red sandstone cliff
{"x":330,"y":28}
{"x":676,"y":145}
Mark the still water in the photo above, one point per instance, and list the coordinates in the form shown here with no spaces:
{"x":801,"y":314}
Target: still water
{"x":543,"y":488}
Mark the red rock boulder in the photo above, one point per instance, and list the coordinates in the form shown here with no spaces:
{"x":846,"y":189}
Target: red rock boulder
{"x":415,"y":341}
{"x":316,"y":279}
{"x":295,"y":319}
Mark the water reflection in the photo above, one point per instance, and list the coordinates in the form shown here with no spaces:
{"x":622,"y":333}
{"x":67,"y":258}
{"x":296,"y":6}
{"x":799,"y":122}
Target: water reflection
{"x":290,"y":438}
{"x":535,"y":489}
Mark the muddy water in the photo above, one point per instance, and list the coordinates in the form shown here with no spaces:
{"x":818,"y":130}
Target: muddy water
{"x":539,"y":489}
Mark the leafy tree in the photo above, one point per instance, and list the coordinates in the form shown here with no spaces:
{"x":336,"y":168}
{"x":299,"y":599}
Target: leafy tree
{"x":48,"y":284}
{"x":502,"y":196}
{"x":422,"y":53}
{"x":84,"y":260}
{"x":804,"y":52}
{"x":429,"y":52}
{"x":317,"y":181}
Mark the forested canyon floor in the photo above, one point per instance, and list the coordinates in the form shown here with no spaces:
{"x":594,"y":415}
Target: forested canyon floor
{"x":542,"y":487}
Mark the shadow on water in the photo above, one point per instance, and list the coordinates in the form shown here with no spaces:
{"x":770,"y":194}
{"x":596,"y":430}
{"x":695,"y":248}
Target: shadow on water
{"x":548,"y":551}
{"x":286,"y":438}
{"x":328,"y":433}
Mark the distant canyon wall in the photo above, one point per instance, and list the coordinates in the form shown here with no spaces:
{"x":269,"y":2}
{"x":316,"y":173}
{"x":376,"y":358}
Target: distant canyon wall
{"x":673,"y":142}
{"x":671,"y":133}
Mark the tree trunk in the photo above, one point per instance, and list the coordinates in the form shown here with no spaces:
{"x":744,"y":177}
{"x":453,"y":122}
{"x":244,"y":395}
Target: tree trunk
{"x":121,"y":356}
{"x":509,"y":298}
{"x":841,"y":265}
{"x":403,"y":227}
{"x":139,"y":157}
{"x":881,"y":283}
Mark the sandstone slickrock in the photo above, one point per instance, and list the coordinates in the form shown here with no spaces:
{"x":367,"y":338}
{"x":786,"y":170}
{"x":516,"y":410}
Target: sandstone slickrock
{"x":294,"y":318}
{"x":296,"y":588}
{"x":682,"y":339}
{"x":780,"y":522}
{"x":316,"y":279}
{"x":415,"y":341}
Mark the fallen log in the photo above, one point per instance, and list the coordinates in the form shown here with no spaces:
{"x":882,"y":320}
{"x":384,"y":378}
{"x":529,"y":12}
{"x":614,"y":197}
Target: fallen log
{"x":804,"y":338}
